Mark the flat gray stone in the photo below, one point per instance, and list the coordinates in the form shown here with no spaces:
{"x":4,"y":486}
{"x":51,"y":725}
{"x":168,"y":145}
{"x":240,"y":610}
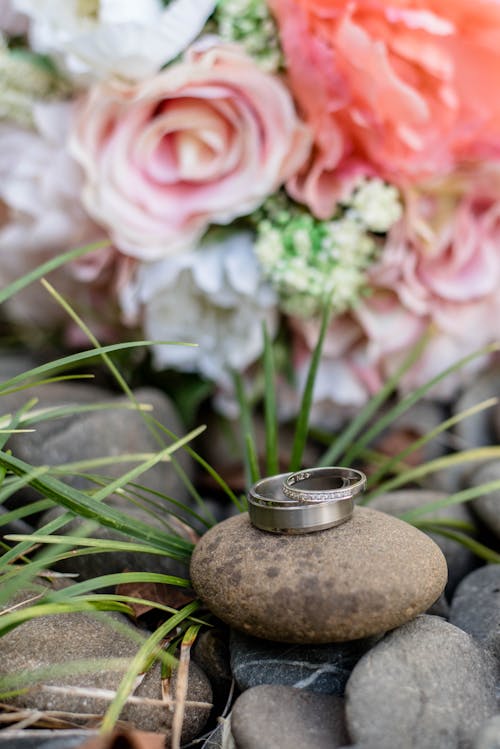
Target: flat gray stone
{"x":61,"y":640}
{"x":489,"y":735}
{"x":476,"y":606}
{"x":98,"y":434}
{"x":487,"y":507}
{"x":459,"y":559}
{"x":323,"y":669}
{"x":428,"y":682}
{"x":43,"y":739}
{"x":278,"y":717}
{"x":345,"y":583}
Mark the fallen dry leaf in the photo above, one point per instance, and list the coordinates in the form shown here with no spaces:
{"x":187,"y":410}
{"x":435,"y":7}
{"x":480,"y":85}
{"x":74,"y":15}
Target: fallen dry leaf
{"x":168,"y":595}
{"x":129,"y":739}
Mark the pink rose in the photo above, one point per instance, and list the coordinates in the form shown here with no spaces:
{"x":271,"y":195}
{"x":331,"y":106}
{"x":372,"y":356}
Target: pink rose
{"x":403,"y":88}
{"x":446,"y":248}
{"x":206,"y":140}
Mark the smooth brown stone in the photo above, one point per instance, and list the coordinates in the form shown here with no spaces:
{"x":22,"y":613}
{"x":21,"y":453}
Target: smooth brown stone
{"x":364,"y":577}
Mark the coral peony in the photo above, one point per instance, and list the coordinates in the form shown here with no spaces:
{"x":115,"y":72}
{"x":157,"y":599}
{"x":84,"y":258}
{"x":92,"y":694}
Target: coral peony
{"x":204,"y":141}
{"x":402,"y":89}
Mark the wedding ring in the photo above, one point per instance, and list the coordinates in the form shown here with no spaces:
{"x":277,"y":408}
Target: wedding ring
{"x":271,"y":510}
{"x":347,"y":484}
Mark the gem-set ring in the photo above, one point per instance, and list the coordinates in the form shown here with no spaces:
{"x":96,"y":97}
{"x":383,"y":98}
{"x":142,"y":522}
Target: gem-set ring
{"x":309,"y":500}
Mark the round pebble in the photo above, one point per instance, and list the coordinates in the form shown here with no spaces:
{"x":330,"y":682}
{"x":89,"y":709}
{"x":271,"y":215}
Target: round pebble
{"x":428,"y":682}
{"x":361,"y":578}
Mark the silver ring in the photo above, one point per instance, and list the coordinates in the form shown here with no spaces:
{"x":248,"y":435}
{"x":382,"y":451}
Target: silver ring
{"x":271,"y":510}
{"x":349,"y":483}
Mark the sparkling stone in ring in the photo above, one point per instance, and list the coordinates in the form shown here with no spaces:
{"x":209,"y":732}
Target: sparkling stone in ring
{"x":329,"y":484}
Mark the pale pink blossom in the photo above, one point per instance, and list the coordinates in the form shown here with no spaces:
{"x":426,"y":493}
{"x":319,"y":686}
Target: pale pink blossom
{"x":403,"y":88}
{"x":204,"y":141}
{"x":41,"y":216}
{"x":12,"y":22}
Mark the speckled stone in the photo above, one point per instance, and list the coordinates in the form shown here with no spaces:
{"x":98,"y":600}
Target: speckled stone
{"x":361,"y":578}
{"x":109,"y":642}
{"x":460,"y":560}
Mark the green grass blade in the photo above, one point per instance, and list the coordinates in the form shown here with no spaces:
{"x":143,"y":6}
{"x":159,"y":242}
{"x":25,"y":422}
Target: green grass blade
{"x":253,"y":462}
{"x":270,"y":413}
{"x":101,"y":544}
{"x":91,"y":598}
{"x":247,"y":433}
{"x":119,"y":578}
{"x":74,"y":359}
{"x":452,"y":499}
{"x":350,"y":433}
{"x":46,"y":381}
{"x":205,"y":465}
{"x":50,"y":265}
{"x":93,"y":509}
{"x":26,"y":511}
{"x":402,"y":406}
{"x":444,"y":522}
{"x":479,"y":549}
{"x":14,"y":618}
{"x":479,"y":454}
{"x":388,"y":465}
{"x":143,"y":655}
{"x":302,"y":424}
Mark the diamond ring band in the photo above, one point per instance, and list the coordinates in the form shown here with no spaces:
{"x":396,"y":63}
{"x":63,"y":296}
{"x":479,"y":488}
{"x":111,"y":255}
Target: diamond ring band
{"x":279,"y":505}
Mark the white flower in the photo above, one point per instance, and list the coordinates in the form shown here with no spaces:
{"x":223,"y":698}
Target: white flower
{"x":376,"y":204}
{"x":41,"y":211}
{"x":127,"y":38}
{"x":212,"y":296}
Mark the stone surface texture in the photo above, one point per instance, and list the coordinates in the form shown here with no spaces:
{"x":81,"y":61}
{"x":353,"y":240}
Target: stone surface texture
{"x":281,"y":717}
{"x":487,"y":507}
{"x":459,"y":559}
{"x":476,"y":606}
{"x":98,"y":639}
{"x":489,"y":735}
{"x":323,"y":669}
{"x":361,"y":578}
{"x":428,"y":682}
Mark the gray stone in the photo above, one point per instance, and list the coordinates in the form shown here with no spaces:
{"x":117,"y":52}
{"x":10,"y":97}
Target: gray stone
{"x":345,"y":583}
{"x":14,"y":362}
{"x":441,"y":607}
{"x":62,"y":641}
{"x":215,"y":739}
{"x":428,"y":682}
{"x":44,"y":739}
{"x":278,"y":717}
{"x":98,"y":434}
{"x":211,"y":653}
{"x":489,"y":735}
{"x":476,"y":606}
{"x":459,"y":559}
{"x":39,"y":740}
{"x":323,"y":669}
{"x":477,"y":430}
{"x":487,"y":507}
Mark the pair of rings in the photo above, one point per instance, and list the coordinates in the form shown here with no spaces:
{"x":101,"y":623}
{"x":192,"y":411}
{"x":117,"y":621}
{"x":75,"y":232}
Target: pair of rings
{"x":305,"y":501}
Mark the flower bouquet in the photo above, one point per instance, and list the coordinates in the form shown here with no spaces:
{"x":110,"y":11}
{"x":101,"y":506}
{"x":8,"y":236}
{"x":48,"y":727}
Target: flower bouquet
{"x":250,"y":162}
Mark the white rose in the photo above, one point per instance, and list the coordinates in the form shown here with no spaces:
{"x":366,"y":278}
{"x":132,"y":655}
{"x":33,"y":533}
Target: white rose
{"x":212,"y":296}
